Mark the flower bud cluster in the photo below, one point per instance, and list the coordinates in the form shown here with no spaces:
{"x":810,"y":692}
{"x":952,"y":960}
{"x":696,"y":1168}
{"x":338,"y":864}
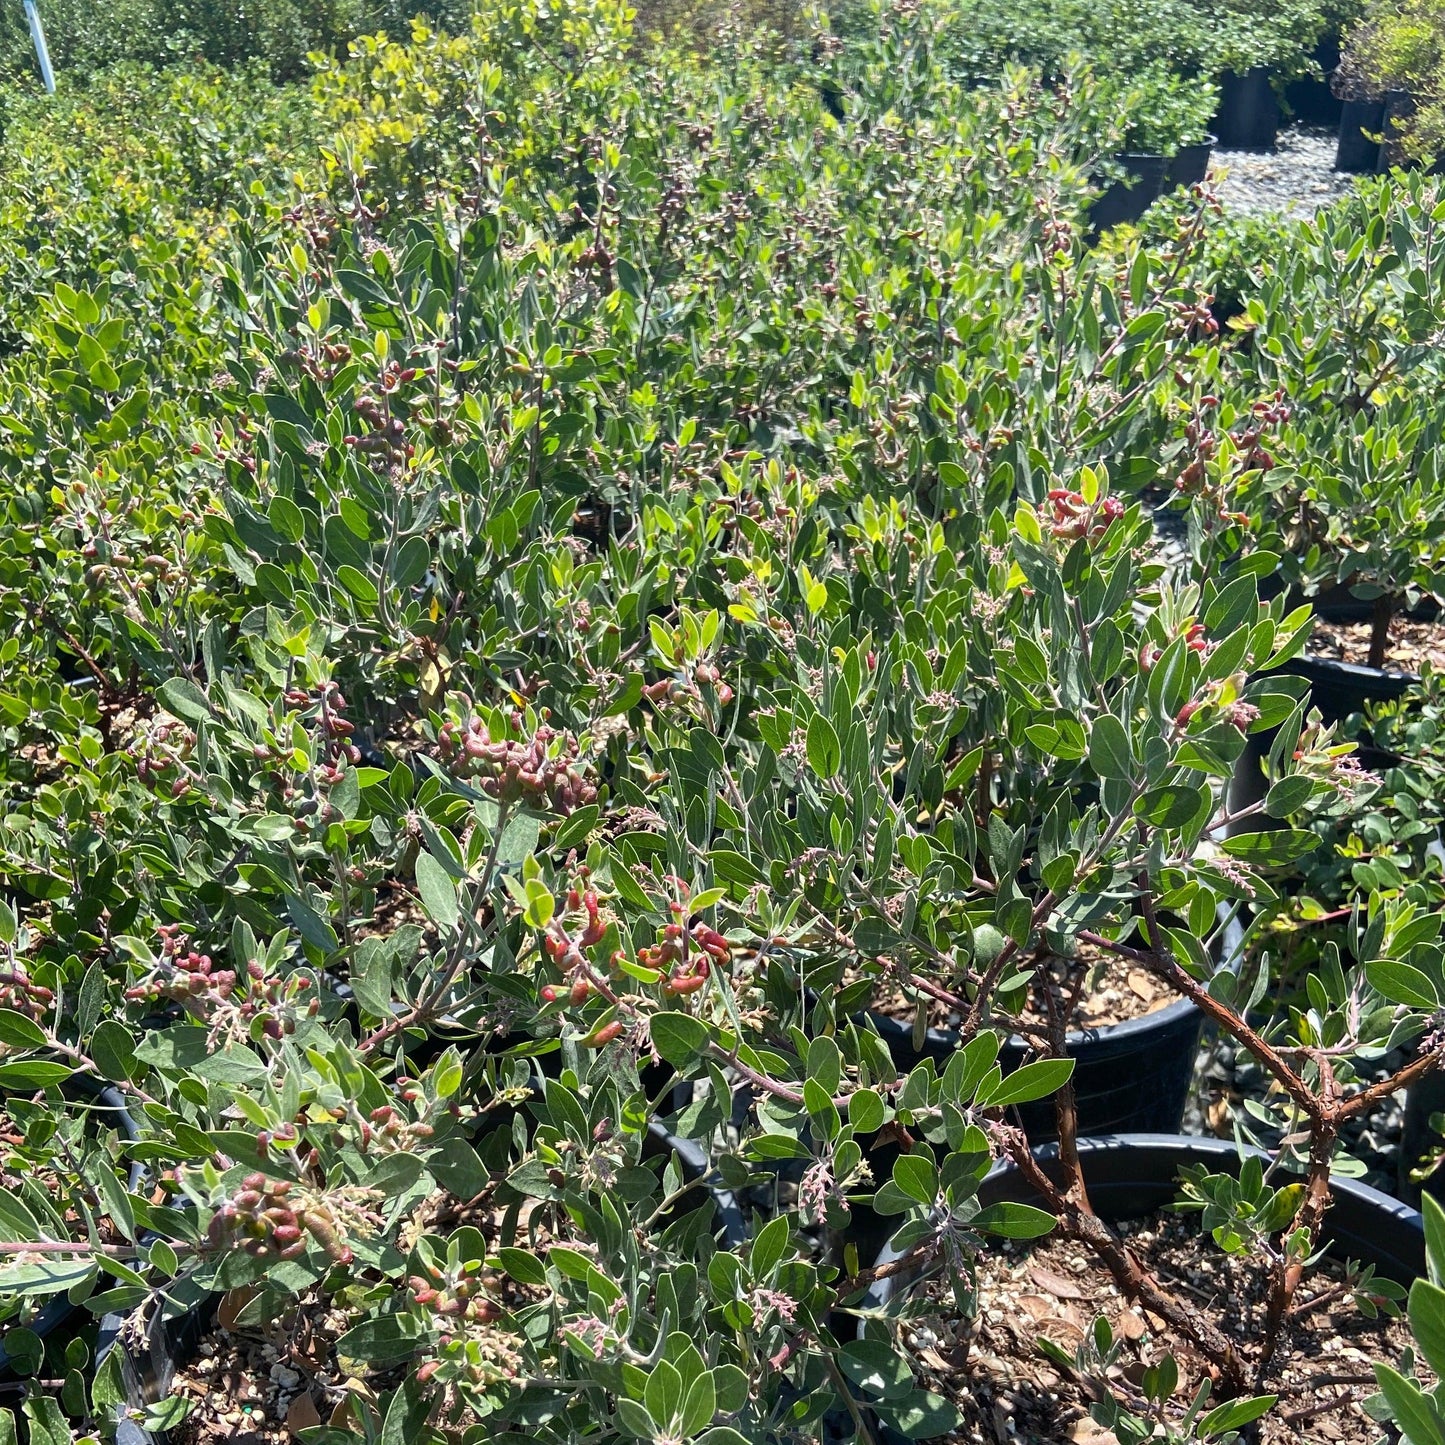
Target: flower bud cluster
{"x":384,"y":441}
{"x":326,"y":709}
{"x":162,"y":749}
{"x":1194,"y":318}
{"x":232,"y":1001}
{"x":685,"y":955}
{"x":18,"y":992}
{"x":386,"y":1131}
{"x":457,"y":1295}
{"x":277,"y":1219}
{"x":1071,"y":517}
{"x":260,"y":1219}
{"x":479,"y":1358}
{"x":540,"y":771}
{"x":680,"y":689}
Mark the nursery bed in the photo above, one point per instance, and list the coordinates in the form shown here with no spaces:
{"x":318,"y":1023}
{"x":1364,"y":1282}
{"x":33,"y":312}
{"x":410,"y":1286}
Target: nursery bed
{"x":1295,"y":179}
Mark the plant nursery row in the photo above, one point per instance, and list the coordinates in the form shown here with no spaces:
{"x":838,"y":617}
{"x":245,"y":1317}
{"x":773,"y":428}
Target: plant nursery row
{"x":687,"y":759}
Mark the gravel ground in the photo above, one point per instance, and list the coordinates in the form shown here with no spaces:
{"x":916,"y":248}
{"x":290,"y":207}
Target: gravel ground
{"x":1295,"y":179}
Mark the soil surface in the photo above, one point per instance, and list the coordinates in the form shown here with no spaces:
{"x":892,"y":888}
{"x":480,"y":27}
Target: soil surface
{"x":1011,"y":1394}
{"x":259,"y":1383}
{"x":1113,"y":991}
{"x":1411,"y":644}
{"x":1295,"y":179}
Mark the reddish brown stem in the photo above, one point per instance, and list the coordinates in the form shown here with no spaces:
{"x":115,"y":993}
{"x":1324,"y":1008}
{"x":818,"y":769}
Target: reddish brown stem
{"x":1133,"y":1279}
{"x":1286,"y":1275}
{"x":1066,"y":1111}
{"x":1380,"y":629}
{"x":1221,"y":1014}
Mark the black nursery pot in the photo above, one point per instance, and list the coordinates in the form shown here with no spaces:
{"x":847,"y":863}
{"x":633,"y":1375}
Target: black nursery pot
{"x":1399,"y":106}
{"x":1134,"y":1175}
{"x":1248,"y":118}
{"x":1190,"y":164}
{"x":1128,"y":1077}
{"x":152,"y":1351}
{"x":109,"y":1105}
{"x":1338,"y":689}
{"x":1311,"y":101}
{"x":1358,"y":153}
{"x":1126,"y":200}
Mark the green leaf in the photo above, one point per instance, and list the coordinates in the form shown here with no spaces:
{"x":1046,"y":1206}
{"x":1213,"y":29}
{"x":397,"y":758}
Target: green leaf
{"x":1427,"y":1323}
{"x":679,"y":1037}
{"x":237,"y":1066}
{"x":25,"y":1348}
{"x":312,"y":927}
{"x":769,"y":1248}
{"x":1410,"y":1408}
{"x":921,"y":1415}
{"x":877,"y":1368}
{"x":1172,"y":806}
{"x":371,"y":976}
{"x":438,"y":893}
{"x":916,"y":1177}
{"x":1280,"y":845}
{"x":574,"y":832}
{"x":48,"y":1425}
{"x":663,"y":1395}
{"x":181,"y":697}
{"x":1110,"y":755}
{"x":634,"y":1419}
{"x":571,"y":1262}
{"x":33,"y":1074}
{"x":865,"y":1111}
{"x":1402,"y":983}
{"x":1013,"y":1221}
{"x":357,"y":583}
{"x":1033,"y":1081}
{"x":412,"y":559}
{"x":1288,"y":796}
{"x":522,"y":1265}
{"x":20,"y":1032}
{"x":732,"y":1385}
{"x":825,"y":756}
{"x":1235,"y":1414}
{"x":699,"y":1406}
{"x":406,"y":1414}
{"x":384,"y":1339}
{"x":1434,"y":1216}
{"x":458,"y":1168}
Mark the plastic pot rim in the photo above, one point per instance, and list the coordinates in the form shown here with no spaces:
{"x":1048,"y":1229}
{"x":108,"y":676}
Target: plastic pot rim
{"x":1181,"y":1145}
{"x":1123,"y":1031}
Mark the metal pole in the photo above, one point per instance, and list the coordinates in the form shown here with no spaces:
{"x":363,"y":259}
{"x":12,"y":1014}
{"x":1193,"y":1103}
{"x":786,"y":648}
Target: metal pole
{"x":42,"y":51}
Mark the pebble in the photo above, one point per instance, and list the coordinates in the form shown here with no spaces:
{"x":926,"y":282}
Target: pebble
{"x":1295,"y":179}
{"x":288,"y":1379}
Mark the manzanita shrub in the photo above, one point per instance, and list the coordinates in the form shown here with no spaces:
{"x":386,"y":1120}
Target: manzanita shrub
{"x":1311,"y":449}
{"x":528,"y":637}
